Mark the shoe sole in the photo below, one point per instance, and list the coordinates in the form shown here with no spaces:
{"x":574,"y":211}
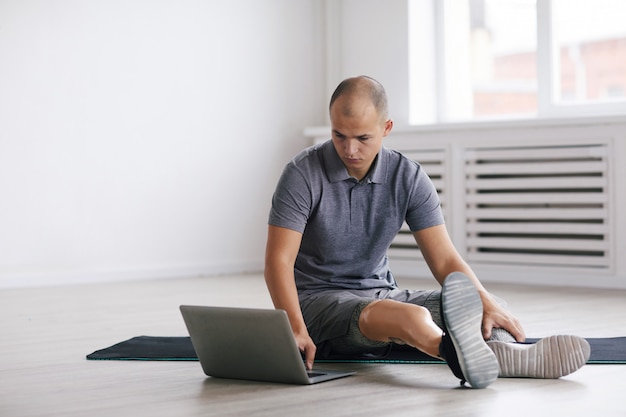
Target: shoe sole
{"x":463,"y":314}
{"x":549,"y":358}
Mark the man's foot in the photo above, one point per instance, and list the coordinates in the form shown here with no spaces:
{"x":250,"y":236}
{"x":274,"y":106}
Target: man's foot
{"x":552,"y":357}
{"x":462,"y":345}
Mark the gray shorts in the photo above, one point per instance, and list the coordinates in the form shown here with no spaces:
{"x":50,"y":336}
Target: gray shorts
{"x":332,"y":317}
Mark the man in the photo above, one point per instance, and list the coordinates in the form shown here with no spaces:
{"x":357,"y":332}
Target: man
{"x":336,"y":209}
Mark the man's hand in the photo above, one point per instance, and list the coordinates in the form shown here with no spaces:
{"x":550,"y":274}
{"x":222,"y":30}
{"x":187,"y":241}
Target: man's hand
{"x":306,"y":346}
{"x":495,"y":316}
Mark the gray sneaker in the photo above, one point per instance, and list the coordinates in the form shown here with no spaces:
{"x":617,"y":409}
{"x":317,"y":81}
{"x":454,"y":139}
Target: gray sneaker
{"x":552,"y":357}
{"x":462,"y":313}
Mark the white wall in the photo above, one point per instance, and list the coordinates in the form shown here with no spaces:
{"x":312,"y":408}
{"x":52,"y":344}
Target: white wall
{"x":143,"y":138}
{"x":370,"y":37}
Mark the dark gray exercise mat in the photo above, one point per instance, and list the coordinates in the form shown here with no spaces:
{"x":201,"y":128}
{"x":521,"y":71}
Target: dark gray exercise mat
{"x":611,"y":350}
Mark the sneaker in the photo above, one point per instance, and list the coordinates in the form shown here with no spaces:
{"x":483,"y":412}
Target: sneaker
{"x":447,"y":352}
{"x":552,"y":357}
{"x":462,"y":314}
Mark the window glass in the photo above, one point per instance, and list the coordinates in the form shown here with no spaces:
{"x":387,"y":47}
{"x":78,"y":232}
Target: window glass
{"x":503,"y":57}
{"x":489,"y":59}
{"x":590,"y":50}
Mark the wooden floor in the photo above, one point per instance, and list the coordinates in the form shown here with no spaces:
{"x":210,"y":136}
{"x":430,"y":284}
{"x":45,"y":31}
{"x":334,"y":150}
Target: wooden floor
{"x":46,"y":333}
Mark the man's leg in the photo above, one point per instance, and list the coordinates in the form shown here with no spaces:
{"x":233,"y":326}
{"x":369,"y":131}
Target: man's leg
{"x":550,"y":357}
{"x":394,"y":321}
{"x":462,"y":346}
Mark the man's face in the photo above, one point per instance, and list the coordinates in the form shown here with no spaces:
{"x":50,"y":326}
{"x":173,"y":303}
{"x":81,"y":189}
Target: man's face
{"x":357,"y":134}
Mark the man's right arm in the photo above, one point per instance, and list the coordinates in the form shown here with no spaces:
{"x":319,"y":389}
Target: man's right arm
{"x":280,"y":257}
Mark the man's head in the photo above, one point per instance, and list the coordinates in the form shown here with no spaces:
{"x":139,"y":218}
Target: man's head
{"x":359,"y":122}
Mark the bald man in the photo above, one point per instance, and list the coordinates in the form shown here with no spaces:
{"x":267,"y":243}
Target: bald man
{"x":336,"y":209}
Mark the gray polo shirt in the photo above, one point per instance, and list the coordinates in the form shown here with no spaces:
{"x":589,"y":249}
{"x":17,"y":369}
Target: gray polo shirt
{"x":347,"y":225}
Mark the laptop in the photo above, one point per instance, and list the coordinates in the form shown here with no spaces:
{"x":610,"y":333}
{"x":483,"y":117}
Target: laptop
{"x":247,"y":343}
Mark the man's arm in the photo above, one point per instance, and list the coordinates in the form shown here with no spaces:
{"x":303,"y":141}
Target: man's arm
{"x":443,"y":258}
{"x":280,"y":257}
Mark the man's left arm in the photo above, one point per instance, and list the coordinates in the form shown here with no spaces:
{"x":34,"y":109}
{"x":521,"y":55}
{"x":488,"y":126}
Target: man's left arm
{"x":443,"y":258}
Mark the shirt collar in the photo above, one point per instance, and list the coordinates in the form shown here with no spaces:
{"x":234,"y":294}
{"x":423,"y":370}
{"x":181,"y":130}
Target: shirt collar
{"x":336,"y":170}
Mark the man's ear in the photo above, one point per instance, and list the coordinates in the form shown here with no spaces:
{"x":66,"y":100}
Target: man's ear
{"x":388,"y":127}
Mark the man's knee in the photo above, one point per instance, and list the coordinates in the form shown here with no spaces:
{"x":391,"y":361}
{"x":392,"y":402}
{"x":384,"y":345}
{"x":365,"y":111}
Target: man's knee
{"x":382,"y":316}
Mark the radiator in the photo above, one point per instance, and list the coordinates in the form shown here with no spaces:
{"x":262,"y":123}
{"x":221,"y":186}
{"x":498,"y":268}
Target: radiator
{"x":538,"y":205}
{"x":534,"y":205}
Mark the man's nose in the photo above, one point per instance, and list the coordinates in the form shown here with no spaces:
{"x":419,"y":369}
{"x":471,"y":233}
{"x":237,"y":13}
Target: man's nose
{"x":352,"y":146}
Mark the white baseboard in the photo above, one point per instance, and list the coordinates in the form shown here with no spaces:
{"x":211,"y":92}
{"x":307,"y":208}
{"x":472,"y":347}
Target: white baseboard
{"x":74,"y":277}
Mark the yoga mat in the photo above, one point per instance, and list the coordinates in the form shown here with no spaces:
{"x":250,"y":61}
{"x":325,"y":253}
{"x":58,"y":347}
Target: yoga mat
{"x":610,"y":350}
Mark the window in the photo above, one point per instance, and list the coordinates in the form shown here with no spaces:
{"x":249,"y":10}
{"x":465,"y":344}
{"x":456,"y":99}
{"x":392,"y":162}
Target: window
{"x":495,"y":59}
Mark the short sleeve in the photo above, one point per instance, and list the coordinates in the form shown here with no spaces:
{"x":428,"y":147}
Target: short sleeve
{"x":424,"y":209}
{"x":291,"y":202}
